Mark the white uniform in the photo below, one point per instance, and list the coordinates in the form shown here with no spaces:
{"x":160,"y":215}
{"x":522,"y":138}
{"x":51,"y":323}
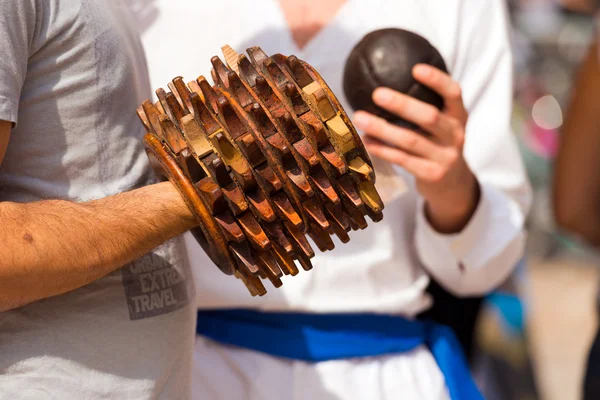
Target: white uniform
{"x":385,"y":268}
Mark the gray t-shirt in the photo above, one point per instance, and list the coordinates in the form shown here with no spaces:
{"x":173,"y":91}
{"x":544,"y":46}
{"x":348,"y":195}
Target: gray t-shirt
{"x":71,"y":75}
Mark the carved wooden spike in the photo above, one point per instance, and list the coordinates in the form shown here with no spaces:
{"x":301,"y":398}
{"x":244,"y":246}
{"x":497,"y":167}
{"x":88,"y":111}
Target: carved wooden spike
{"x":231,"y":230}
{"x":292,"y":131}
{"x":195,"y":88}
{"x":314,"y":210}
{"x":321,"y":182}
{"x":286,"y":210}
{"x":299,"y":241}
{"x":295,"y":98}
{"x":196,"y":136}
{"x":247,"y":71}
{"x":276,"y":233}
{"x":338,"y":164}
{"x":243,"y":255}
{"x":171,"y":134}
{"x":231,"y":57}
{"x":319,"y":101}
{"x":370,"y":197}
{"x":253,"y":231}
{"x":307,"y":152}
{"x":251,"y":150}
{"x":359,"y":166}
{"x":286,"y":263}
{"x":181,"y":91}
{"x":212,"y":195}
{"x":299,"y":179}
{"x":221,"y":71}
{"x":144,"y":119}
{"x":321,"y":238}
{"x":341,"y":134}
{"x":305,"y":262}
{"x":239,"y":165}
{"x":268,"y":261}
{"x":299,"y":72}
{"x":269,"y":178}
{"x":235,"y":198}
{"x":152,"y":115}
{"x":261,"y":206}
{"x":275,"y":72}
{"x":253,"y":290}
{"x":348,"y":191}
{"x":209,"y":94}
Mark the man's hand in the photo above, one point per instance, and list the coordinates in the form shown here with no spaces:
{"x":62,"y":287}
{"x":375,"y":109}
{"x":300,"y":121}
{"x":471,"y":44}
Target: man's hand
{"x":443,"y":178}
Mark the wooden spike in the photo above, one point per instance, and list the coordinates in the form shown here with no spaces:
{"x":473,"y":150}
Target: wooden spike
{"x":348,"y":191}
{"x":171,"y":134}
{"x":261,"y":206}
{"x":275,"y":231}
{"x":306,"y":152}
{"x":271,"y":267}
{"x":253,"y":231}
{"x":286,"y":263}
{"x":243,"y":256}
{"x":341,"y":134}
{"x":212,"y":195}
{"x":305,"y":262}
{"x":370,"y":197}
{"x":221,"y":70}
{"x":210,"y":97}
{"x":231,"y":230}
{"x":299,"y":72}
{"x":234,"y":158}
{"x":152,"y":114}
{"x":299,"y":240}
{"x":319,"y":101}
{"x":338,"y":164}
{"x":286,"y":210}
{"x":181,"y":92}
{"x":360,"y":167}
{"x":231,"y":58}
{"x":321,"y":182}
{"x":235,"y":198}
{"x":321,"y":238}
{"x":299,"y":179}
{"x":270,"y":180}
{"x":196,"y":136}
{"x":251,"y":288}
{"x":314,"y":210}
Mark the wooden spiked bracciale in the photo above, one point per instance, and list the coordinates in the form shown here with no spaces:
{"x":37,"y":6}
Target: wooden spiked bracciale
{"x":264,"y":157}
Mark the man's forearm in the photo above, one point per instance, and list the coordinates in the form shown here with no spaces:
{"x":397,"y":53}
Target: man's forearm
{"x":51,"y":247}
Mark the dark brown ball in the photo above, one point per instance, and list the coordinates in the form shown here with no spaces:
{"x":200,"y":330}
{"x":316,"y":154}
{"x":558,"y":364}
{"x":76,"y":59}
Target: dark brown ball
{"x":386,"y":57}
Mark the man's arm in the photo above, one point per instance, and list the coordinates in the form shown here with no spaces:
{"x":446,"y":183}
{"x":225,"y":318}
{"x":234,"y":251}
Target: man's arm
{"x":51,"y":247}
{"x":576,"y":191}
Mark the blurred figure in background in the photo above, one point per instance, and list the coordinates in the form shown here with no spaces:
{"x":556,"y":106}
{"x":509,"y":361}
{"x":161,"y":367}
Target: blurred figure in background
{"x":387,"y":268}
{"x":576,"y":191}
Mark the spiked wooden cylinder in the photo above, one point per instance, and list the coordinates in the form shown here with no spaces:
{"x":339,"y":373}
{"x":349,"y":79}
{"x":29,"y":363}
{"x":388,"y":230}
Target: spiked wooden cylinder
{"x":263,"y":157}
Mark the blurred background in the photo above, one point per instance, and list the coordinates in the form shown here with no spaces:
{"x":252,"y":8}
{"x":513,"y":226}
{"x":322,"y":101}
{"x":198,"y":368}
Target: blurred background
{"x":535,"y":333}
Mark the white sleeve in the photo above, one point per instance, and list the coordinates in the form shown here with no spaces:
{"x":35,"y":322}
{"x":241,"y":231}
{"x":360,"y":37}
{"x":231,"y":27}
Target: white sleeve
{"x":485,"y":252}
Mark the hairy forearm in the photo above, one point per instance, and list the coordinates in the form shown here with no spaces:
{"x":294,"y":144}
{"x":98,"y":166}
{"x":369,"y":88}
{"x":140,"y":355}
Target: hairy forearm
{"x":51,"y":247}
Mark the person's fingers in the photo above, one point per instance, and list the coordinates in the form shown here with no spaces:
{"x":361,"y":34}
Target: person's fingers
{"x":423,"y":169}
{"x":426,"y":116}
{"x":444,"y":85}
{"x":395,"y":136}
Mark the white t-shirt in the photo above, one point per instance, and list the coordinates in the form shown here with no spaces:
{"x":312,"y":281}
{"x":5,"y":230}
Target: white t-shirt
{"x":72,"y":73}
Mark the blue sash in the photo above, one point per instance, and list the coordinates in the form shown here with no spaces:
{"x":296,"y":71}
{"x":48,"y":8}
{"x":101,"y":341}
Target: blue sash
{"x":322,"y":337}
